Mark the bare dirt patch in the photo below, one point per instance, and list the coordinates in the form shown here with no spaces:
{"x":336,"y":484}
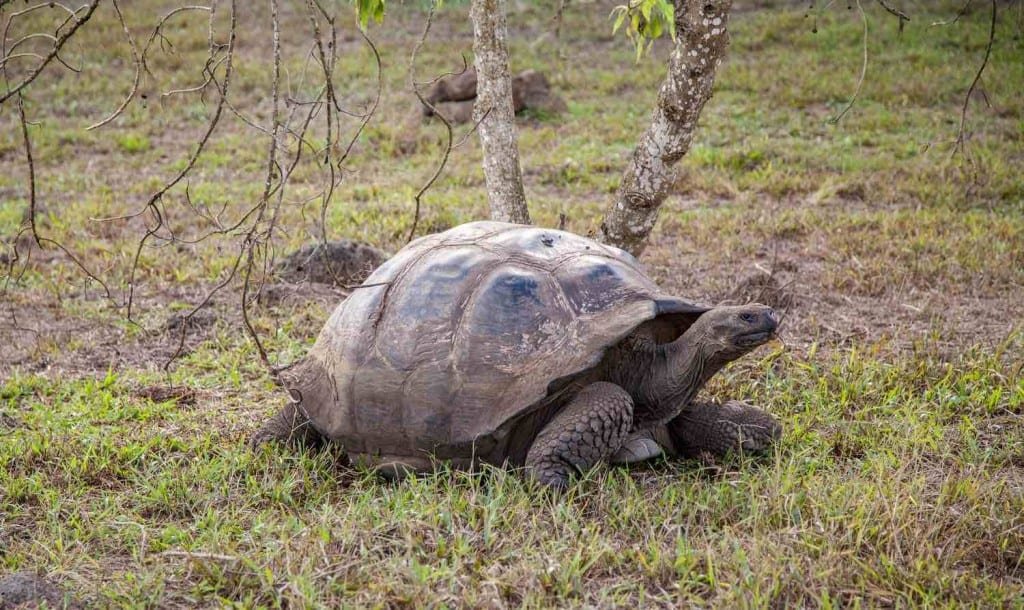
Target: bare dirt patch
{"x":180,"y":395}
{"x":52,"y":338}
{"x":55,"y":337}
{"x":793,"y":273}
{"x":9,"y":422}
{"x":28,"y":590}
{"x":796,"y":275}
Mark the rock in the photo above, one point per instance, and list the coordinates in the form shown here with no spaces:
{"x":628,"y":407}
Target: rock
{"x":287,"y":293}
{"x":454,"y":95}
{"x":531,"y":91}
{"x":452,"y":88}
{"x":29,"y":590}
{"x":181,"y":395}
{"x":9,"y":422}
{"x":456,"y":112}
{"x":339,"y":263}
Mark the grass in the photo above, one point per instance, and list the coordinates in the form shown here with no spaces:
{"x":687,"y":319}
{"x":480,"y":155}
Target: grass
{"x":897,"y":482}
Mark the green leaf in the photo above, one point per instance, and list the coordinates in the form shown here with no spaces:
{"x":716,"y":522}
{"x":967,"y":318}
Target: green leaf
{"x":646,"y":21}
{"x":653,"y":29}
{"x":670,"y":15}
{"x":622,"y":12}
{"x":370,"y":9}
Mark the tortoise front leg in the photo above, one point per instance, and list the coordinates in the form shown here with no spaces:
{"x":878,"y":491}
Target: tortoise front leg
{"x":589,"y":429}
{"x":721,"y":428}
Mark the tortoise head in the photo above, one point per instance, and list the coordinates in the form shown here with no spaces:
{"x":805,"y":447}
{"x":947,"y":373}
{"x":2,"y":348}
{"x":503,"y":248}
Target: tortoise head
{"x":728,"y":332}
{"x":717,"y":337}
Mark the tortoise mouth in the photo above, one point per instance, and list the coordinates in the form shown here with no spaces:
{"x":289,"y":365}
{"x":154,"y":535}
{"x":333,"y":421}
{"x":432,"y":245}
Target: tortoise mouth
{"x":754,"y":339}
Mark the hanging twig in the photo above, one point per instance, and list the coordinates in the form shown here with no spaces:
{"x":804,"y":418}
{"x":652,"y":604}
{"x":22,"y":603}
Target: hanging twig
{"x":863,"y":69}
{"x":447,"y":124}
{"x":960,"y":13}
{"x":137,"y":59}
{"x":449,"y":135}
{"x":559,"y":13}
{"x":903,"y":17}
{"x":151,"y":204}
{"x":39,"y":239}
{"x":252,"y":243}
{"x":961,"y":134}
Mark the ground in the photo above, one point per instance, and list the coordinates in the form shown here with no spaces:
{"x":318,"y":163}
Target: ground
{"x":898,"y":264}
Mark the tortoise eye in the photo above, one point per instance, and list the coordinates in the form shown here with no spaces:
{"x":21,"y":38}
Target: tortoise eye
{"x":747,"y":317}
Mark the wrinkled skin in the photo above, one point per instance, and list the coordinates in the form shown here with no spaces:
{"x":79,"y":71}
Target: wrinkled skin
{"x":648,"y":386}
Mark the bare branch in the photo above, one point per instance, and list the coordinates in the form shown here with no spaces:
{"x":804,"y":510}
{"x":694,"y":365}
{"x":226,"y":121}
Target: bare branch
{"x":903,"y":17}
{"x":558,"y":18}
{"x":31,"y":172}
{"x":444,"y":120}
{"x":33,"y":206}
{"x":252,"y":243}
{"x":960,"y":13}
{"x":57,"y":46}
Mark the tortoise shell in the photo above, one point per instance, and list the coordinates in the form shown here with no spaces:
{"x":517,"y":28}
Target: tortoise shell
{"x":462,"y":333}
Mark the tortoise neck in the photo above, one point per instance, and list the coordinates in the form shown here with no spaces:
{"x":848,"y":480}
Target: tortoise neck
{"x":679,"y":370}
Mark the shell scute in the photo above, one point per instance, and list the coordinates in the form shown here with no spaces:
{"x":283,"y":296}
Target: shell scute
{"x":426,"y":304}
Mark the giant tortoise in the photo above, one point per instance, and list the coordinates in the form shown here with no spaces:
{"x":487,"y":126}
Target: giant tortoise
{"x":530,"y":347}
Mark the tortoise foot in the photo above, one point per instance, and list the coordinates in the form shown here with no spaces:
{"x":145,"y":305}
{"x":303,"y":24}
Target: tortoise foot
{"x":734,"y":426}
{"x":639,"y":447}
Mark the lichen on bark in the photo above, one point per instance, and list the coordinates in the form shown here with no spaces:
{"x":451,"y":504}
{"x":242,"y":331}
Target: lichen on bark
{"x":701,"y":42}
{"x":495,"y":113}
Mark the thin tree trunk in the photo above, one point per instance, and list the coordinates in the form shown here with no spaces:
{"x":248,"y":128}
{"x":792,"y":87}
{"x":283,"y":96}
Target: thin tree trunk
{"x":701,"y":41}
{"x":494,"y":111}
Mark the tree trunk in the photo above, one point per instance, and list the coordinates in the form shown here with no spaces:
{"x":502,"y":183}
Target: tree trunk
{"x":701,"y":41}
{"x":494,"y":111}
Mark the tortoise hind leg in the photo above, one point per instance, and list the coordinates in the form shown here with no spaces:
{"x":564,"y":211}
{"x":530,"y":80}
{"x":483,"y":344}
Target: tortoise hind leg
{"x":290,"y":426}
{"x":720,"y":429}
{"x":589,"y":429}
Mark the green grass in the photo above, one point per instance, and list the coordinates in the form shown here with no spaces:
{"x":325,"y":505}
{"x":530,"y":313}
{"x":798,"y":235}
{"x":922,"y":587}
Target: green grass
{"x":898,"y":481}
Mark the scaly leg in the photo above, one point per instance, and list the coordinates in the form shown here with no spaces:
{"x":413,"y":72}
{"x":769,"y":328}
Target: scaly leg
{"x":719,"y":429}
{"x":589,"y":429}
